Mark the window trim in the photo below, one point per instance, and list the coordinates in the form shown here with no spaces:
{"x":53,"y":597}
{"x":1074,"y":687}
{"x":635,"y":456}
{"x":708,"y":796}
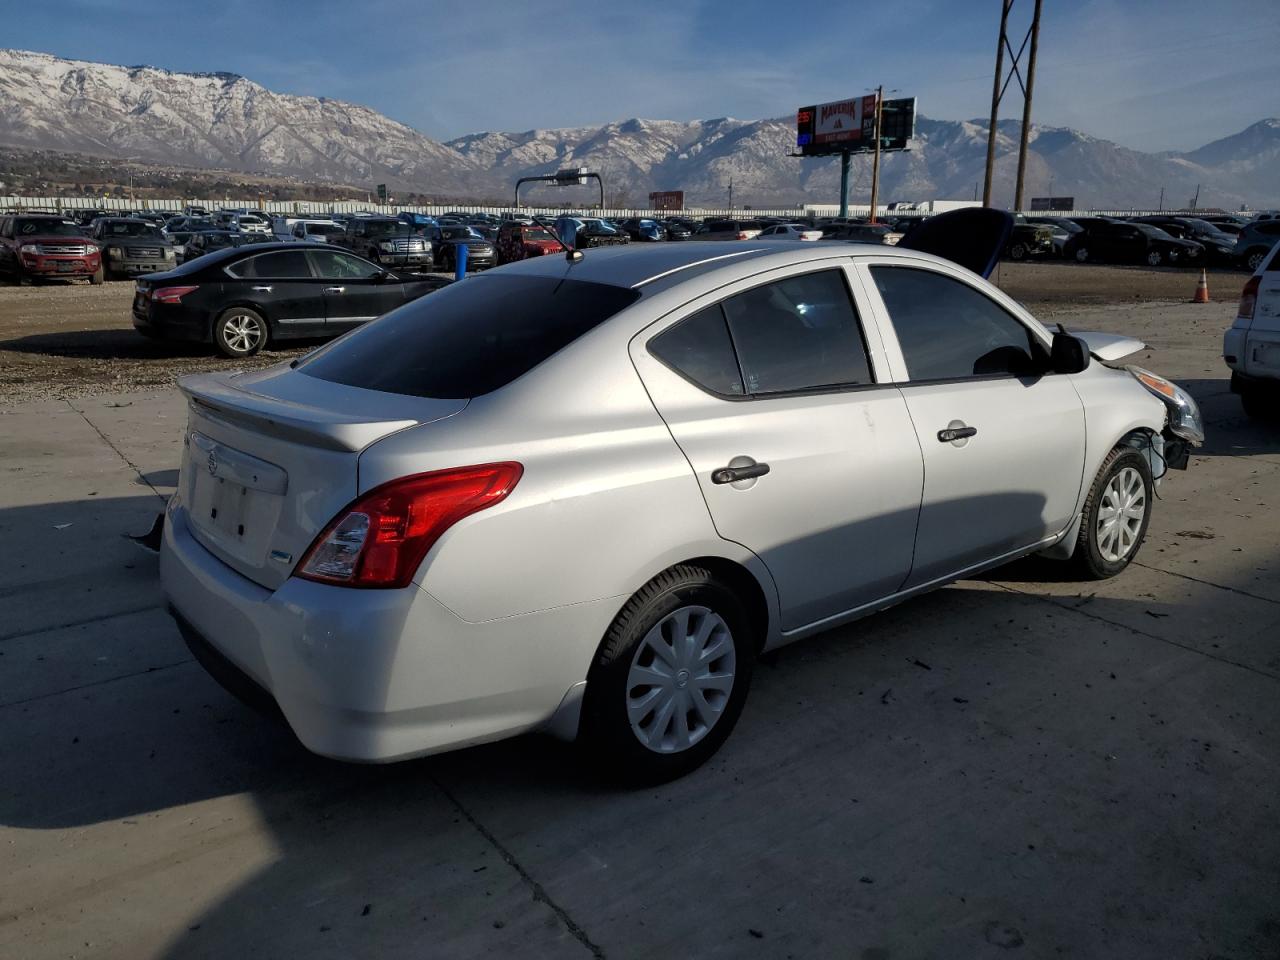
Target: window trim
{"x":836,"y":265}
{"x":889,"y":333}
{"x":317,"y":275}
{"x":264,"y":253}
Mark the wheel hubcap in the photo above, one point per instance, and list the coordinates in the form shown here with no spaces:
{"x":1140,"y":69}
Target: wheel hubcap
{"x":680,"y":679}
{"x":1120,"y":514}
{"x":242,"y":332}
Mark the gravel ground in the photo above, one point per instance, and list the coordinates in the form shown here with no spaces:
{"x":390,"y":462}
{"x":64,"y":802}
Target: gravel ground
{"x":75,"y":340}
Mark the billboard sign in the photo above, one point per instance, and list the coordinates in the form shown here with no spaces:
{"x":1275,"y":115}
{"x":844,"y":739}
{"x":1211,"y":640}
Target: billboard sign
{"x":666,"y":200}
{"x":830,"y":128}
{"x":1053,"y":203}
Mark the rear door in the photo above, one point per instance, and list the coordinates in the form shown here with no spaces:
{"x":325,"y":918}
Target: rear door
{"x":775,"y":381}
{"x":1003,"y":441}
{"x":355,"y":290}
{"x":282,"y":284}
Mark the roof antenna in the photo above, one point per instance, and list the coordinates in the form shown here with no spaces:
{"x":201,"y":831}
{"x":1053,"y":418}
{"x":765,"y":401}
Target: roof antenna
{"x":572,"y":254}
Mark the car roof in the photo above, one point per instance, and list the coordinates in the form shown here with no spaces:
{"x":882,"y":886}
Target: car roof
{"x":659,"y":266}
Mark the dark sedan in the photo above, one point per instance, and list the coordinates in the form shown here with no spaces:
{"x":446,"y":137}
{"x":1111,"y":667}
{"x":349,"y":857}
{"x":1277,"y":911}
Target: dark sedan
{"x":241,"y":298}
{"x":643,"y":229}
{"x":1111,"y":241}
{"x":1219,"y":247}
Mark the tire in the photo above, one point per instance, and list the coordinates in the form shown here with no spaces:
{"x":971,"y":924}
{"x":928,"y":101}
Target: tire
{"x":1260,"y":405}
{"x":1082,"y":254}
{"x":675,"y":735}
{"x":1253,"y":259}
{"x":240,"y":332}
{"x":1154,"y":258}
{"x":97,"y":277}
{"x":1124,"y":476}
{"x":1018,"y":251}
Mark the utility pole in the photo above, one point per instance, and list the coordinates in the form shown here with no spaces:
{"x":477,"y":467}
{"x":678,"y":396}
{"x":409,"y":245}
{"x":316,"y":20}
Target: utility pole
{"x":730,"y":193}
{"x":1026,"y":105}
{"x":844,"y":183}
{"x":1195,"y":201}
{"x":1161,"y":207}
{"x":875,"y":164}
{"x":996,"y":93}
{"x":1000,"y":86}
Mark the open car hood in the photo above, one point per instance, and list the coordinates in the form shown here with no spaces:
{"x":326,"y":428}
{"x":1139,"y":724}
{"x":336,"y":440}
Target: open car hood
{"x":973,"y":237}
{"x":1109,"y":347}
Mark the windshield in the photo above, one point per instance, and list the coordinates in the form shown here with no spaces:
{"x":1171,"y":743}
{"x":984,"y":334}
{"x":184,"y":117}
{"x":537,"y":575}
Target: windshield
{"x":597,"y":226}
{"x":387,"y":228}
{"x":1154,"y":232}
{"x":470,"y":338}
{"x":460,"y":233}
{"x":131,"y":228}
{"x":47,"y":228}
{"x":1202,"y":226}
{"x":324,"y":230}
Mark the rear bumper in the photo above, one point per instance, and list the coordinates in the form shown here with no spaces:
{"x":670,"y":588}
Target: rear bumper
{"x":179,"y":325}
{"x":374,"y":675}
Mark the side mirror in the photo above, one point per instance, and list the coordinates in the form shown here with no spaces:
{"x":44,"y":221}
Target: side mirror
{"x":1068,"y":354}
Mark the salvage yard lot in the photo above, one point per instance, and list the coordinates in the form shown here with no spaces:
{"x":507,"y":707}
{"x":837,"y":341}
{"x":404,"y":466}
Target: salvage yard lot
{"x":1012,"y":766}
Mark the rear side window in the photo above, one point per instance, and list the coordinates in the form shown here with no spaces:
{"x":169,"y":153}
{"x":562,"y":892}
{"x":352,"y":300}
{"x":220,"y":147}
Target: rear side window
{"x":699,"y":349}
{"x":798,"y":334}
{"x":949,"y":331}
{"x":283,"y":265}
{"x":470,"y":338}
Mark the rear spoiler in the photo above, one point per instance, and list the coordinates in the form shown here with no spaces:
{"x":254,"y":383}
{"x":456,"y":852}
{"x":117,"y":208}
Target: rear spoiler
{"x":214,"y":395}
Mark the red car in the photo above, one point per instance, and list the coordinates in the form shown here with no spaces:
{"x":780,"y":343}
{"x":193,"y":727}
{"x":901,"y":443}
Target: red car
{"x":46,"y":245}
{"x":519,"y":241}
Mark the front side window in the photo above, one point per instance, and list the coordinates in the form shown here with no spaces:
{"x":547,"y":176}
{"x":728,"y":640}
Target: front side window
{"x":341,"y":266}
{"x":949,"y":331}
{"x":800,"y":333}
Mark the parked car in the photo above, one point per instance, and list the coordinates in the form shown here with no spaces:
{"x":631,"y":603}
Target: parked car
{"x":386,"y":241}
{"x":1061,"y":229}
{"x":130,"y":247}
{"x":1256,"y":241}
{"x":589,"y":232}
{"x":317,"y":231}
{"x":46,"y":246}
{"x":1226,"y":222}
{"x":194,"y":210}
{"x":242,"y":298}
{"x":420,"y":222}
{"x":1115,"y":241}
{"x":445,"y":241}
{"x":587,"y":501}
{"x":520,"y":241}
{"x":1251,"y":348}
{"x":643,"y":229}
{"x":861,"y":233}
{"x":1219,"y":247}
{"x":202,"y":242}
{"x":678,"y":228}
{"x":250,"y":223}
{"x":723,"y":228}
{"x":789,"y":231}
{"x":1028,"y":240}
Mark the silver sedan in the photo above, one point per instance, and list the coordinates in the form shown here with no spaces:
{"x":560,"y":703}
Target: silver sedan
{"x":584,"y":494}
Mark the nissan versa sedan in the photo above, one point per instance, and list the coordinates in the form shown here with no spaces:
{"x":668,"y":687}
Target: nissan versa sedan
{"x":583,"y":493}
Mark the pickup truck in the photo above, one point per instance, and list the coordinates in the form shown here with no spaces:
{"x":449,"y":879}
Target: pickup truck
{"x":387,"y":242}
{"x":130,"y":247}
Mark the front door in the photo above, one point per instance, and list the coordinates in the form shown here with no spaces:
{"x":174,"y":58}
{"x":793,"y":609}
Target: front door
{"x":355,"y":290}
{"x":801,"y":455}
{"x":1003,"y":440}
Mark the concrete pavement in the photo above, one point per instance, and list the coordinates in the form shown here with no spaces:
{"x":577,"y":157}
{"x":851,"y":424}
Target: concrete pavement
{"x":1019,"y":765}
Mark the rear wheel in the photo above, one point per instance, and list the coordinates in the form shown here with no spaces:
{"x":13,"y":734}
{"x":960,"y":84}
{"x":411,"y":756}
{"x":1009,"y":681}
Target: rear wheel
{"x":1082,"y":254}
{"x":1253,"y":259}
{"x":1154,"y":258}
{"x":239,"y":332}
{"x":1115,"y":516}
{"x":670,"y":678}
{"x":1018,"y":251}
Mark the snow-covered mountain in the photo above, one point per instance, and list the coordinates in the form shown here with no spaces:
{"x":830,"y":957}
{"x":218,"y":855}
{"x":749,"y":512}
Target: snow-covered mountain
{"x":223,"y":120}
{"x":215,"y":120}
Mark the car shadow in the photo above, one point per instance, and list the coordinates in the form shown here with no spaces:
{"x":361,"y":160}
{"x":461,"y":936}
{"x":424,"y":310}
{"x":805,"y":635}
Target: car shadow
{"x":1229,"y":431}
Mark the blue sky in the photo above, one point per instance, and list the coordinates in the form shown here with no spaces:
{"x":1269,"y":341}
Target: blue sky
{"x":1152,"y":75}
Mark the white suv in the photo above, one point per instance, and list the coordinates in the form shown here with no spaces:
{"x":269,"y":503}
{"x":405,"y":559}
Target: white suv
{"x":1251,"y":347}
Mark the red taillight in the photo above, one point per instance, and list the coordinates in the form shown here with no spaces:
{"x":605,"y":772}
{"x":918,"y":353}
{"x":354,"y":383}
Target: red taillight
{"x":171,"y":294}
{"x":380,"y":540}
{"x":1249,"y":298}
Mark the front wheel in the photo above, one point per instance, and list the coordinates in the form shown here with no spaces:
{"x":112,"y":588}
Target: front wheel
{"x":239,"y":332}
{"x":1115,"y":516}
{"x":1018,"y":251}
{"x":1253,"y":259}
{"x":670,"y":678}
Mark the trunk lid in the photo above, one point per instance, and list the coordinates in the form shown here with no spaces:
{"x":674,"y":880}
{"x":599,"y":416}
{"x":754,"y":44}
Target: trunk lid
{"x":270,"y":457}
{"x":973,"y":237}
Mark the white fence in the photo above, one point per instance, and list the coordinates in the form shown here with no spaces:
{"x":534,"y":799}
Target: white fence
{"x":60,"y":204}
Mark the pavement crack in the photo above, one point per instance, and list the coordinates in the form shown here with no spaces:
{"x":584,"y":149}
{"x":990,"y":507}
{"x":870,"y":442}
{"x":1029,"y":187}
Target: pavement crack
{"x":1142,"y":633}
{"x":20,"y":634}
{"x":539,"y":892}
{"x":118,"y":452}
{"x":96,"y":683}
{"x":1207,"y":583}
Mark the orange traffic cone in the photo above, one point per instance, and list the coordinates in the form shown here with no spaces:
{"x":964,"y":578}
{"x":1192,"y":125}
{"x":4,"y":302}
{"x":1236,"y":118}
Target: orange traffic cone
{"x":1202,"y":288}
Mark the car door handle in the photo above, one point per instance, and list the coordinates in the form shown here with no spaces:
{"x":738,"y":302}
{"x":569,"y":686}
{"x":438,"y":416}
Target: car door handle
{"x":261,"y":289}
{"x":335,"y":289}
{"x":956,"y":433}
{"x":734,"y":474}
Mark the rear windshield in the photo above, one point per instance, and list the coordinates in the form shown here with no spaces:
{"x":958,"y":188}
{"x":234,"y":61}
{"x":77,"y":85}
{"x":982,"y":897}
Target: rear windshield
{"x":469,"y":338}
